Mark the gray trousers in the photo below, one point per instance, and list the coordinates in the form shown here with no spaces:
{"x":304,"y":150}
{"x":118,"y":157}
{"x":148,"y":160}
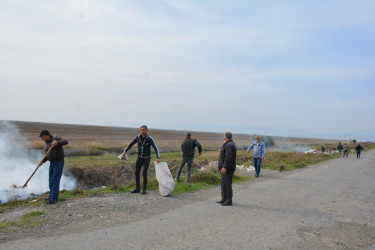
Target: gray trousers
{"x":189,"y":161}
{"x":226,"y":187}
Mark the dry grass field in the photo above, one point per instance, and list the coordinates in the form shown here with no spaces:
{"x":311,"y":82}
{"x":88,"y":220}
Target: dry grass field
{"x":81,"y":135}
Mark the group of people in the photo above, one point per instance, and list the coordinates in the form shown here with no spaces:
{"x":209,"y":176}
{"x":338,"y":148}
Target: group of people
{"x":345,"y":147}
{"x":226,"y":161}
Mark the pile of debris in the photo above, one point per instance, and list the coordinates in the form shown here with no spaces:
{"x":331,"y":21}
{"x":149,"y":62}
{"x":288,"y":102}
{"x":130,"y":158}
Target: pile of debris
{"x":214,"y":164}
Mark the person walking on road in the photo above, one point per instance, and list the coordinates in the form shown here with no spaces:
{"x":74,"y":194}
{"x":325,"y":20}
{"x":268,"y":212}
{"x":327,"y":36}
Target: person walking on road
{"x":144,"y":142}
{"x":56,"y":166}
{"x":340,"y":148}
{"x":227,"y":166}
{"x":358,"y":149}
{"x":259,"y":153}
{"x":346,"y":150}
{"x":188,"y":147}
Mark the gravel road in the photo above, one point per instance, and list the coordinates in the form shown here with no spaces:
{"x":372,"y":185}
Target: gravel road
{"x":330,"y":205}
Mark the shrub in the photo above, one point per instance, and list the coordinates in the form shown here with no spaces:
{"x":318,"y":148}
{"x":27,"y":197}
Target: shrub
{"x":209,"y":176}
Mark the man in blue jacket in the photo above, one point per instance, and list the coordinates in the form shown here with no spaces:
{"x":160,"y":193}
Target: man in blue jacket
{"x":259,"y":153}
{"x":144,"y":142}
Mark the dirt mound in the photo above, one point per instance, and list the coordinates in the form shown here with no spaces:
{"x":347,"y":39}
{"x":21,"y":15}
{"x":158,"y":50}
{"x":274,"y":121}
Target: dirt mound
{"x":88,"y":177}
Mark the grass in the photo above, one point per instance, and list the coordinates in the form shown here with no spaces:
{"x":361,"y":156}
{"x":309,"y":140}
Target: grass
{"x":111,"y":160}
{"x":28,"y":220}
{"x":293,"y":160}
{"x":95,"y":161}
{"x":199,"y":179}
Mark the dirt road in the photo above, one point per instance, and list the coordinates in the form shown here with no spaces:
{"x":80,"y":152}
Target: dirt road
{"x":326,"y":206}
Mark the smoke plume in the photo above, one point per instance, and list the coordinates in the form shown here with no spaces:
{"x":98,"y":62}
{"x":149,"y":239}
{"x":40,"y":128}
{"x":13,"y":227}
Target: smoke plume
{"x":17,"y":164}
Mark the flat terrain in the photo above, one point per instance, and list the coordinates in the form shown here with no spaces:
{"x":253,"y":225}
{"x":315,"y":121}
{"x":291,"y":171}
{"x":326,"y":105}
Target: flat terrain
{"x":330,"y":205}
{"x":116,"y":136}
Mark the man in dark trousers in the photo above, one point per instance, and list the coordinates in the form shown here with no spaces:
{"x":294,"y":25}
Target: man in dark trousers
{"x":227,"y":166}
{"x":144,"y":156}
{"x":188,"y":147}
{"x":56,"y":158}
{"x":358,"y":149}
{"x":340,"y":148}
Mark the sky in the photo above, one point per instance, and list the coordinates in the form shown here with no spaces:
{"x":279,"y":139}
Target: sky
{"x":288,"y":68}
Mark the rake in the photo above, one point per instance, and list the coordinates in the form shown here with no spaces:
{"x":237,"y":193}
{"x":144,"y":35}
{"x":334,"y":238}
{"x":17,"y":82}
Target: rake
{"x":41,"y":161}
{"x":279,"y":167}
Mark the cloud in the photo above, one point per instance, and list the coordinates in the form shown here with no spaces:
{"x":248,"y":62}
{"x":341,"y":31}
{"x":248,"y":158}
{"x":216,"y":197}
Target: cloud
{"x":186,"y":60}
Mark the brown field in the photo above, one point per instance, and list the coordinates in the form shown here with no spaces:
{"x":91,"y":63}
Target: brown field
{"x":80,"y":135}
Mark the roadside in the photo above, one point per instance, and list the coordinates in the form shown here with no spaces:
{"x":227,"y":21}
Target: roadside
{"x":329,"y":205}
{"x":106,"y":210}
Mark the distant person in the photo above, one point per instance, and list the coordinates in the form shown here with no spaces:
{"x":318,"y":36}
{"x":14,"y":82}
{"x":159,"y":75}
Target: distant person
{"x":346,"y":150}
{"x":188,"y":147}
{"x":340,"y":148}
{"x":144,"y":156}
{"x":358,"y":149}
{"x":259,"y":153}
{"x":227,"y":166}
{"x":323,"y":149}
{"x":56,"y":166}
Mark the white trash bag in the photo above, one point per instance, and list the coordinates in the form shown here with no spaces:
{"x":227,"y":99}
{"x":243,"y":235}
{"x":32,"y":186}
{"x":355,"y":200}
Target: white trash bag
{"x":165,"y":178}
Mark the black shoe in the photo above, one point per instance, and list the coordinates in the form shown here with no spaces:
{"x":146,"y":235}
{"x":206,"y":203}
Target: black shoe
{"x":51,"y":202}
{"x":144,"y":191}
{"x":135,"y":191}
{"x":220,"y":201}
{"x":226,"y":203}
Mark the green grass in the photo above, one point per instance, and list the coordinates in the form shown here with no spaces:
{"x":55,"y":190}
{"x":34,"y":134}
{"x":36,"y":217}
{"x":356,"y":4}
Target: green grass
{"x":111,"y":160}
{"x":95,"y":161}
{"x":293,"y":160}
{"x":28,"y":220}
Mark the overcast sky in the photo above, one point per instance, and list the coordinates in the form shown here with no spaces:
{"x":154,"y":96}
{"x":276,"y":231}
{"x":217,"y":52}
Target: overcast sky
{"x":276,"y":67}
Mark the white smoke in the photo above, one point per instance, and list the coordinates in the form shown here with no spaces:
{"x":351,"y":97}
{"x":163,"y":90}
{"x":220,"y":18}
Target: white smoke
{"x":17,"y":164}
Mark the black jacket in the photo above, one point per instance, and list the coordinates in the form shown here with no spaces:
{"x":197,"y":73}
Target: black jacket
{"x":144,"y":147}
{"x":188,"y":147}
{"x":57,"y":153}
{"x":227,"y":156}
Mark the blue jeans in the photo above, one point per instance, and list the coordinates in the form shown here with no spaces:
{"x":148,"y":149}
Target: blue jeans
{"x":55,"y":173}
{"x":257,"y":164}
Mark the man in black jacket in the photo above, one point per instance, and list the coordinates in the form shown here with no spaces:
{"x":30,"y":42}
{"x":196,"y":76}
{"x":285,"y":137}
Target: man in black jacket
{"x":358,"y":149}
{"x":188,"y":147}
{"x":340,"y":148}
{"x":56,"y":158}
{"x":227,"y":166}
{"x":144,"y":156}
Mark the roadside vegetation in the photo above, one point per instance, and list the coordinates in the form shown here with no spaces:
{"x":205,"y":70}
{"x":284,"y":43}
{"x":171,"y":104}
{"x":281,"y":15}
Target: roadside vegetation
{"x":28,"y":220}
{"x":199,"y":180}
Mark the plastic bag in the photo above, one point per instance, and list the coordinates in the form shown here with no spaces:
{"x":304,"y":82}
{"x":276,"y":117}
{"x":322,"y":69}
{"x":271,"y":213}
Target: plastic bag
{"x":165,"y":178}
{"x":123,"y":157}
